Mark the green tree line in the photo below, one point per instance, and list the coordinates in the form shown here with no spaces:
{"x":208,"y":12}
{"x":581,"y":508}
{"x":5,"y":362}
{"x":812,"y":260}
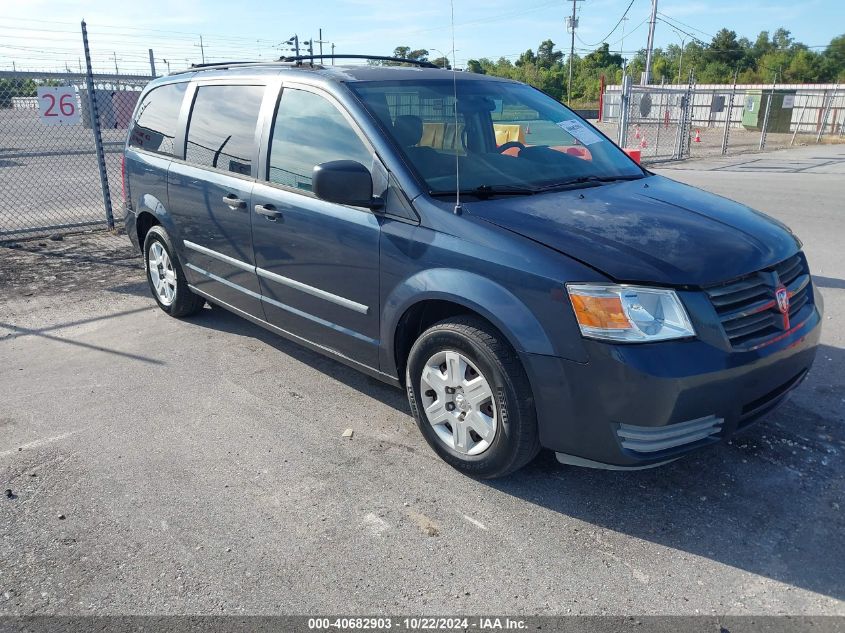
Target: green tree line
{"x":770,"y":57}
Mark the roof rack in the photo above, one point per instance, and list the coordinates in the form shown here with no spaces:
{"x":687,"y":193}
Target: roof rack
{"x":221,"y":66}
{"x":310,"y":58}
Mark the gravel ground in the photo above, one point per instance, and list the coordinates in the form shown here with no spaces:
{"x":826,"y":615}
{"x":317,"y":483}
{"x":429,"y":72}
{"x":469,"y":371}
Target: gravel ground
{"x":169,"y":467}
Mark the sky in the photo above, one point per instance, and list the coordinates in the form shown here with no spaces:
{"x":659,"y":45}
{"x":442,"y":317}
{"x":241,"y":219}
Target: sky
{"x":44,"y":34}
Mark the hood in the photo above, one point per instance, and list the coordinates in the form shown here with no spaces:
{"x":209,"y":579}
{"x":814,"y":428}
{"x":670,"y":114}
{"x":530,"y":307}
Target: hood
{"x":653,"y":230}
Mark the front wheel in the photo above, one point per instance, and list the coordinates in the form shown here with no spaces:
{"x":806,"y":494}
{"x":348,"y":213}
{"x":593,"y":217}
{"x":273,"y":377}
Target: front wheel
{"x":166,"y":277}
{"x":471,"y":398}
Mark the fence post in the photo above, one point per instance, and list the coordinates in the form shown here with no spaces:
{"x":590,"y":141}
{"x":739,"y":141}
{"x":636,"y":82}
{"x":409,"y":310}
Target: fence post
{"x":728,"y":115}
{"x":685,"y":120}
{"x":623,"y":110}
{"x":800,"y":121}
{"x":659,"y":111}
{"x":95,"y":126}
{"x":766,"y":117}
{"x":826,"y":113}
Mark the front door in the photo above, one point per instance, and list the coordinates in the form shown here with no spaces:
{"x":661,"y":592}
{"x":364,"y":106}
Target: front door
{"x":210,"y":193}
{"x":317,"y":262}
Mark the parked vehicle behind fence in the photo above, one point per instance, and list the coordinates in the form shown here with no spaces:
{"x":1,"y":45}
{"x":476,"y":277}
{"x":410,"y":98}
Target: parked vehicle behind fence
{"x":474,"y":241}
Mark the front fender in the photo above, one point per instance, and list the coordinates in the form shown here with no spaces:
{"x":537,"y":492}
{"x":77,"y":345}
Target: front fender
{"x":479,"y":294}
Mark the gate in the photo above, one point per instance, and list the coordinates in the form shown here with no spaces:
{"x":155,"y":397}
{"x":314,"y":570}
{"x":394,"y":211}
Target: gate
{"x":656,"y":120}
{"x":50,"y":173}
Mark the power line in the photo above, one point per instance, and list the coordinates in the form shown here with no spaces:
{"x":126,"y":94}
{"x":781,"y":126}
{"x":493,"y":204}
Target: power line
{"x":613,"y":30}
{"x":689,"y":26}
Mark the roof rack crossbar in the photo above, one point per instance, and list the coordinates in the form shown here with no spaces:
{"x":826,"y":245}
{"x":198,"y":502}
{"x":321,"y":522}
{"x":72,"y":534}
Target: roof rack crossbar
{"x":402,"y":60}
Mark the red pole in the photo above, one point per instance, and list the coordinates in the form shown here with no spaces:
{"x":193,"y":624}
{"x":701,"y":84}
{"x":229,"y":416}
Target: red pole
{"x":601,"y":96}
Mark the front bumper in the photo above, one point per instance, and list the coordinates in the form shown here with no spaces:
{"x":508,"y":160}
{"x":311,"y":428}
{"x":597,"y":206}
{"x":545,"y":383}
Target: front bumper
{"x":633,"y":406}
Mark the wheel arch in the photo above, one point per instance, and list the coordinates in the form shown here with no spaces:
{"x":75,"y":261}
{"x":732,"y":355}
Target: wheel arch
{"x":151,"y":212}
{"x":417,"y":303}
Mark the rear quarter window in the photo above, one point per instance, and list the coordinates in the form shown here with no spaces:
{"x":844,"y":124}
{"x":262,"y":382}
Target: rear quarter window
{"x":155,"y":126}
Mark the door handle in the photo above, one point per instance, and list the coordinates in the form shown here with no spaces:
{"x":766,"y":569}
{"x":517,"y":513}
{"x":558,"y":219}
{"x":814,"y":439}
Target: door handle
{"x":268,"y":211}
{"x":233,"y":202}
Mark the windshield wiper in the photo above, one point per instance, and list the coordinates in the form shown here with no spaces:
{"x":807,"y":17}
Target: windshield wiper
{"x":588,"y":181}
{"x":485,"y":191}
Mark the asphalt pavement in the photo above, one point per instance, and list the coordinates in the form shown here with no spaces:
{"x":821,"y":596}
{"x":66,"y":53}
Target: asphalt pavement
{"x":199,"y":466}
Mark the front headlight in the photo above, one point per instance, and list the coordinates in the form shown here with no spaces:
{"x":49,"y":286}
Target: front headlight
{"x":629,"y":313}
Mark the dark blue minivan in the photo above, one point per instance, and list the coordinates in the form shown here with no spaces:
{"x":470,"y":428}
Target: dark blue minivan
{"x":475,"y":241}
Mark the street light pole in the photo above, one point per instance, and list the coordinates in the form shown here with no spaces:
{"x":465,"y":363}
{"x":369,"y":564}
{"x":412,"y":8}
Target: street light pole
{"x":681,"y":60}
{"x":646,"y":77}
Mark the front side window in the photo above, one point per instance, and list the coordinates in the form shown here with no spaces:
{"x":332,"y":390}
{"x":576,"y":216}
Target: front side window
{"x":310,"y":130}
{"x":498,"y":135}
{"x":158,"y":114}
{"x":221,"y":133}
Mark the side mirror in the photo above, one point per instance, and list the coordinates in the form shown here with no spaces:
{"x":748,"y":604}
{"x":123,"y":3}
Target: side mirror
{"x":344,"y":182}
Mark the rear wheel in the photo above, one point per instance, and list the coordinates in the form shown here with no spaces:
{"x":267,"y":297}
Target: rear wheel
{"x":471,"y":398}
{"x":166,"y":277}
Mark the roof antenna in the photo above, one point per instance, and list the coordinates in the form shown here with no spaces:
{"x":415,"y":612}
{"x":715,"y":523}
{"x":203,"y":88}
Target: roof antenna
{"x":458,"y":208}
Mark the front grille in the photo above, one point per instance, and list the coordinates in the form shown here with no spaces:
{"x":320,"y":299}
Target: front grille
{"x":748,"y":308}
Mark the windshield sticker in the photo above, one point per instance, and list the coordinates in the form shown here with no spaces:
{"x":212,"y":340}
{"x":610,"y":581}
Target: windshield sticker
{"x":581,"y":132}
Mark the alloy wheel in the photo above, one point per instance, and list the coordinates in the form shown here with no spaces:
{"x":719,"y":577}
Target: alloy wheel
{"x":161,"y":273}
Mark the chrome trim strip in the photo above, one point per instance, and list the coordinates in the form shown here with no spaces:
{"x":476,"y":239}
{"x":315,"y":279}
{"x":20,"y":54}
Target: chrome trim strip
{"x":223,"y":258}
{"x":311,"y":290}
{"x":285,"y":307}
{"x":299,"y":339}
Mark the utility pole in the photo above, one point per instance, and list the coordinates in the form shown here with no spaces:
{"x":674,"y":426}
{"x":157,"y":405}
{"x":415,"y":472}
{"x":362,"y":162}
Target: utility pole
{"x":321,"y":41}
{"x":646,"y":76}
{"x":622,"y":47}
{"x":572,"y":23}
{"x":332,"y":53}
{"x":202,"y":49}
{"x":295,"y":41}
{"x":152,"y":64}
{"x":116,"y":71}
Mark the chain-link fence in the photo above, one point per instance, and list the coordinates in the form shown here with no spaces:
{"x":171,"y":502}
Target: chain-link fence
{"x":50,"y":176}
{"x":679,"y":122}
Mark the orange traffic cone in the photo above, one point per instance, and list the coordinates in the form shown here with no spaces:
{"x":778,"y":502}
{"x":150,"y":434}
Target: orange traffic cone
{"x":697,"y":138}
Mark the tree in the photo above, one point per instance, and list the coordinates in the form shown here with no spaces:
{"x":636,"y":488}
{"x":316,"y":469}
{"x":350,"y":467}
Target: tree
{"x":442,"y":62}
{"x":475,"y":66}
{"x":725,"y":48}
{"x":527,"y":57}
{"x":547,"y":56}
{"x":782,"y":39}
{"x":761,"y":61}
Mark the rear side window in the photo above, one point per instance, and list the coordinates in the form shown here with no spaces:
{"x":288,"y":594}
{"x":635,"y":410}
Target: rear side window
{"x":310,"y":130}
{"x":221,"y":133}
{"x":155,"y":126}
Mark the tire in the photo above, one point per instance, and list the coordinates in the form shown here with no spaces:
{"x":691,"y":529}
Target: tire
{"x":456,"y":352}
{"x":165,"y":276}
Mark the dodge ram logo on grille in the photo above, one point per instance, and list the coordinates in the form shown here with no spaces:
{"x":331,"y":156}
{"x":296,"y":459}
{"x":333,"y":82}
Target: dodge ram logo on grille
{"x":782,"y":296}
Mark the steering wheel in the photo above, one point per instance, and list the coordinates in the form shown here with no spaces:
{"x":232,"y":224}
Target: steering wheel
{"x":510,"y":145}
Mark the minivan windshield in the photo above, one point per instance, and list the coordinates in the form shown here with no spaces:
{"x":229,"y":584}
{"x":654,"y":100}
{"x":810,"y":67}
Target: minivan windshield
{"x":507,"y":138}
